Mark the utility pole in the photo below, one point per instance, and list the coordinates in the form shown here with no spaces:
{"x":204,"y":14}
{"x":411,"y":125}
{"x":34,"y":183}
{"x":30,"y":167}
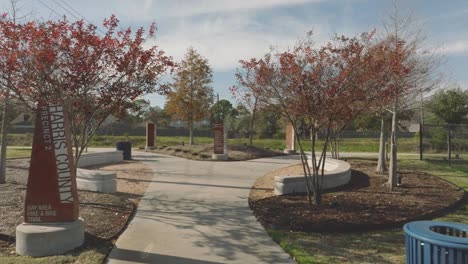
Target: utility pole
{"x":219,"y":120}
{"x":421,"y":129}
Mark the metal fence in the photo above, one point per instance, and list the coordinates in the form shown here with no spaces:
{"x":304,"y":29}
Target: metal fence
{"x":446,"y":142}
{"x":161,"y":131}
{"x":128,"y":131}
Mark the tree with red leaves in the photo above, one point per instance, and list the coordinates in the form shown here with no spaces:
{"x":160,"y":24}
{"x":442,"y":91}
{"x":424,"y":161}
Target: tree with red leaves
{"x":8,"y":44}
{"x":91,"y":75}
{"x":326,"y":87}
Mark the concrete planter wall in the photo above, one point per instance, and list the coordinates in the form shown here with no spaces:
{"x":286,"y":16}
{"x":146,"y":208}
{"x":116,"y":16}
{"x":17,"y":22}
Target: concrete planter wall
{"x":94,"y":180}
{"x":337,"y":173}
{"x":100,"y":158}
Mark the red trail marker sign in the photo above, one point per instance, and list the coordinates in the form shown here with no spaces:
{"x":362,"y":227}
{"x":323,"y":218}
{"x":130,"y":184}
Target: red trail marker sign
{"x":218,"y":131}
{"x":290,"y":140}
{"x":150,"y":135}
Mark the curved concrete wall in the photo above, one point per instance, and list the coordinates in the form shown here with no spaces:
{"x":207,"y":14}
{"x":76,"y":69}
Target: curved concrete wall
{"x":94,"y":180}
{"x":337,"y":173}
{"x":100,"y":158}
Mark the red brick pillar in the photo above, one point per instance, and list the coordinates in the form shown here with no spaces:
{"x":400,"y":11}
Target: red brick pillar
{"x":290,"y":140}
{"x":150,"y":135}
{"x":218,"y":131}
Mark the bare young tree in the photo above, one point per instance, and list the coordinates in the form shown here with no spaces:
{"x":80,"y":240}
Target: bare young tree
{"x":243,"y":93}
{"x":413,"y":70}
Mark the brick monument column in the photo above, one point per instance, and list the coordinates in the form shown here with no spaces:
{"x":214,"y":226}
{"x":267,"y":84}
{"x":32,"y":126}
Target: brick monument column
{"x":219,"y":144}
{"x":51,"y":224}
{"x":290,"y":140}
{"x":150,"y":135}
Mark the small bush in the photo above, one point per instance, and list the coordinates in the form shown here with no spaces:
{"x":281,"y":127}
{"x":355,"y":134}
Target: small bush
{"x":279,"y":135}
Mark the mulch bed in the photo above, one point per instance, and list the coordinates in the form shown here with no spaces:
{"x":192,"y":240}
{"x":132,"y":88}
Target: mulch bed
{"x":364,"y":204}
{"x":204,"y":151}
{"x":105,"y":215}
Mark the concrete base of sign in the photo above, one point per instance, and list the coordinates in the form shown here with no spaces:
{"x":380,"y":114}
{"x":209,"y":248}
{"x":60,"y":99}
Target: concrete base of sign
{"x":219,"y":157}
{"x":100,"y":158}
{"x":337,"y":173}
{"x":290,"y":151}
{"x":149,"y":148}
{"x":96,"y":181}
{"x":38,"y":240}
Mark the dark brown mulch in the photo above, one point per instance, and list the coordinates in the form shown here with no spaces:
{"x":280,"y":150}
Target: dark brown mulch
{"x":204,"y":151}
{"x":105,"y":215}
{"x":366,"y":203}
{"x":239,"y":153}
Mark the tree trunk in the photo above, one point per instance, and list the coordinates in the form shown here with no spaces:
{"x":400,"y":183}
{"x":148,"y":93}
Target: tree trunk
{"x":320,"y":173}
{"x":314,"y":175}
{"x":191,"y":132}
{"x":225,"y":141}
{"x":382,"y":162}
{"x":4,"y":141}
{"x":251,"y":130}
{"x":392,"y":173}
{"x":333,"y":148}
{"x":449,"y":144}
{"x":251,"y":123}
{"x":338,"y":149}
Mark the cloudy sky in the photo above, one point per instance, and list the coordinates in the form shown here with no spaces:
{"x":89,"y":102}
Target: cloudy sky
{"x":225,"y":31}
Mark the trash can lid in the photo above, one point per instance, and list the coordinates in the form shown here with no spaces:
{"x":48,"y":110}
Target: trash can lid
{"x":423,"y":231}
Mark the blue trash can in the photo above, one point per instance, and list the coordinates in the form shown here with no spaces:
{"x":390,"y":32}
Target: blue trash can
{"x":430,"y":242}
{"x":126,"y":147}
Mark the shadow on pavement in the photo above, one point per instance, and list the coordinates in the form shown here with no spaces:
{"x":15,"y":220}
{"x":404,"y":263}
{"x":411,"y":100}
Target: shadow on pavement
{"x":145,"y":257}
{"x":231,"y":227}
{"x":202,"y":223}
{"x":200,"y":184}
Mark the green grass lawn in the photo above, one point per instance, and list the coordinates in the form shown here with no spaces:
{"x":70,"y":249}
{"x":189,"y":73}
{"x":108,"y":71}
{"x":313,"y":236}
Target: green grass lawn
{"x":370,"y":247}
{"x":18,"y":153}
{"x":140,"y":141}
{"x":406,"y":145}
{"x":96,"y":256}
{"x":363,"y":247}
{"x":409,"y":145}
{"x":457,"y":173}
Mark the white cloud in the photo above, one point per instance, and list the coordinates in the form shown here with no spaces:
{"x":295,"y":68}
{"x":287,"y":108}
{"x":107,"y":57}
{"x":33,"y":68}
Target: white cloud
{"x":224,"y":31}
{"x":455,"y":47}
{"x":184,"y":8}
{"x":224,"y":40}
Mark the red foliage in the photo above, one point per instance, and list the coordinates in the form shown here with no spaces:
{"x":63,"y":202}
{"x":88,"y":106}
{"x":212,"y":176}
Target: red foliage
{"x":70,"y":63}
{"x":63,"y":60}
{"x":329,"y":85}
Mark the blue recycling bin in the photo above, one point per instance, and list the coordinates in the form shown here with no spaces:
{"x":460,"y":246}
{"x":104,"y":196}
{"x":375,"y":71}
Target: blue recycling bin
{"x":430,"y":242}
{"x":126,"y":148}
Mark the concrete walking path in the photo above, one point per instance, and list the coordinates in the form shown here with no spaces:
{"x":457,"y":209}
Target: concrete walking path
{"x":197,"y":212}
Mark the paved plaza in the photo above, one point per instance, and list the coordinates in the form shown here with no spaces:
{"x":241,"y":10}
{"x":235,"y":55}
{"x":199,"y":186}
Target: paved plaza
{"x":197,"y":212}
